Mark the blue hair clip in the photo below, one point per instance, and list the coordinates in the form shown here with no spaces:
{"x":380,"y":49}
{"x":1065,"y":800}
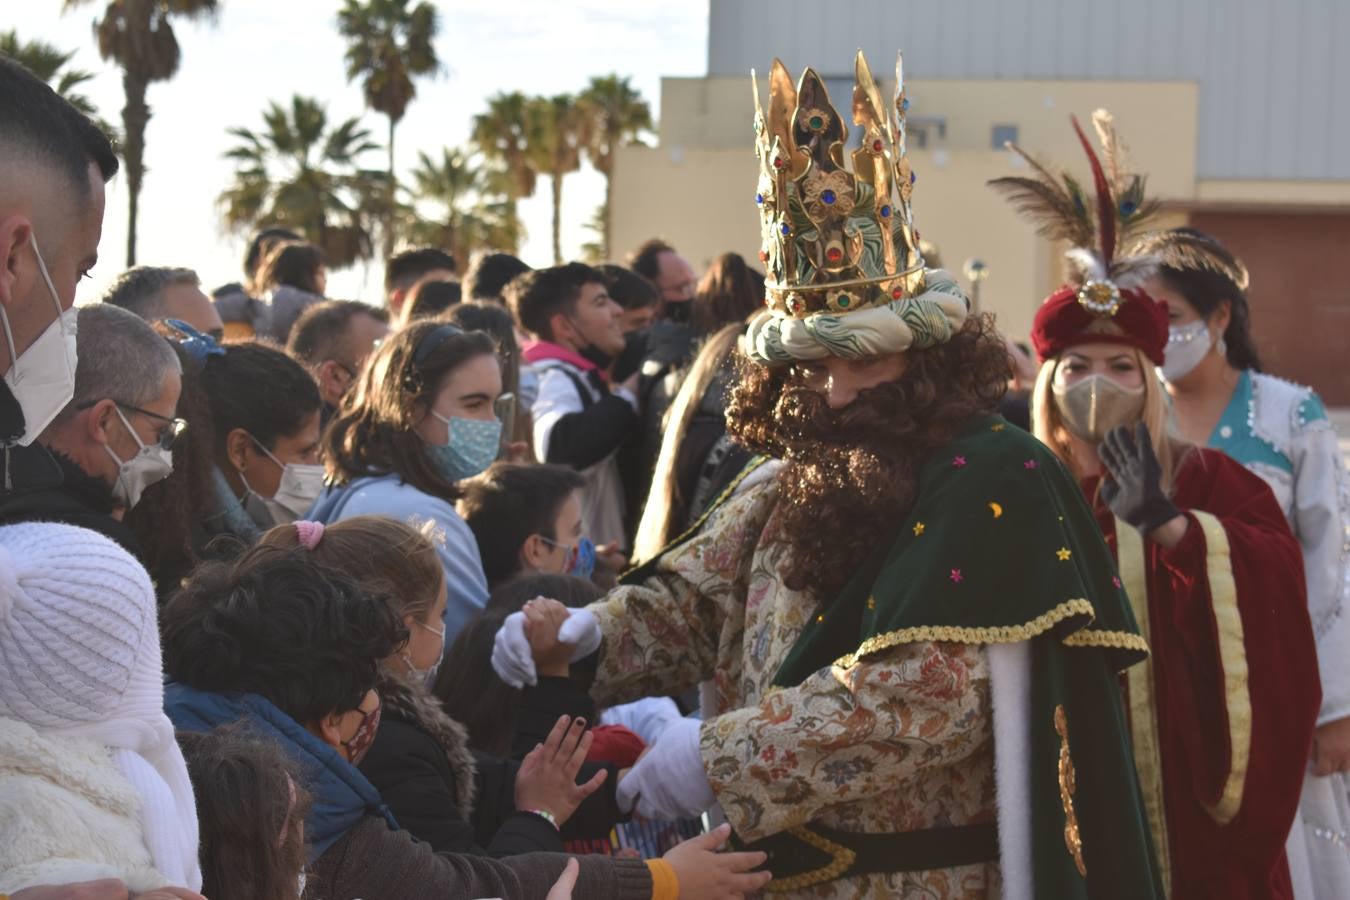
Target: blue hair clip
{"x":195,"y":344}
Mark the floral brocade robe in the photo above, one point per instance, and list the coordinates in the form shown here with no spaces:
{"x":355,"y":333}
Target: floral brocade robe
{"x":902,"y":741}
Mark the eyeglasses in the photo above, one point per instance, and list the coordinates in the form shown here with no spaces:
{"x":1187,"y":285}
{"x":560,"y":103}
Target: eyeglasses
{"x":167,"y":437}
{"x":570,"y":551}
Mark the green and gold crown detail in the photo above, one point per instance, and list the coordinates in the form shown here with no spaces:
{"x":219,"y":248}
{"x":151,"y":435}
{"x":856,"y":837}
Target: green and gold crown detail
{"x":834,"y":241}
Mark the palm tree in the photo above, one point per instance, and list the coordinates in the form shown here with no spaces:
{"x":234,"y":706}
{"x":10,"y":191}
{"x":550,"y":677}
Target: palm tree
{"x":474,"y":207}
{"x":298,"y":173}
{"x":388,"y":43}
{"x":50,"y":64}
{"x":503,"y":134}
{"x":556,"y":127}
{"x":138,"y":36}
{"x":593,"y":251}
{"x":615,"y":114}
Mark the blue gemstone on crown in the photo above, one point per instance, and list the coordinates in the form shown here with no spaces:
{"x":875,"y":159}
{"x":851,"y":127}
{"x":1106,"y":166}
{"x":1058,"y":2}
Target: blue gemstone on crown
{"x":787,"y":229}
{"x":827,"y":196}
{"x":885,"y":212}
{"x":913,"y":176}
{"x":759,"y":199}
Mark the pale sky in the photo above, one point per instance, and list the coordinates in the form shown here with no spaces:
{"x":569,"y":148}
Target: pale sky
{"x":263,"y":50}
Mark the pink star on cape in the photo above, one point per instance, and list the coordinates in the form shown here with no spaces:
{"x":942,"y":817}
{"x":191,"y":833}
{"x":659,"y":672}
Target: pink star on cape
{"x":958,"y":461}
{"x":956,"y":576}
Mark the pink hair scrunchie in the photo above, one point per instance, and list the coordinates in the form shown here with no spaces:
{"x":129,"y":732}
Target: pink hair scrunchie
{"x":310,"y":533}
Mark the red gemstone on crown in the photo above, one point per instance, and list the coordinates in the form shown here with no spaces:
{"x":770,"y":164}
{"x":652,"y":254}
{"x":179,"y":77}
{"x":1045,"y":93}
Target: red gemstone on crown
{"x":877,"y":146}
{"x":834,"y":254}
{"x":897,"y":293}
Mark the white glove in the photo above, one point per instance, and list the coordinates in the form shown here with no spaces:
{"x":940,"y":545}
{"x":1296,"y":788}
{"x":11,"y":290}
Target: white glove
{"x":512,"y":658}
{"x":669,"y":782}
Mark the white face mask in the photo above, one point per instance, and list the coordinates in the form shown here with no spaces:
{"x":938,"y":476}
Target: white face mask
{"x":1187,"y":346}
{"x":426,"y":676}
{"x":300,"y":486}
{"x":148,"y":466}
{"x":42,"y":378}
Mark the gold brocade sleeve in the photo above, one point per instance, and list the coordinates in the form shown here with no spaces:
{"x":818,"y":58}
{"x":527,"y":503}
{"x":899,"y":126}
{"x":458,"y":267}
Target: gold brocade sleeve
{"x":844,"y":736}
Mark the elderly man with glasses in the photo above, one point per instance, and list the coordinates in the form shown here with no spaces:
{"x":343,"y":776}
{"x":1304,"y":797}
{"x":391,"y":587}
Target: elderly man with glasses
{"x":114,"y":438}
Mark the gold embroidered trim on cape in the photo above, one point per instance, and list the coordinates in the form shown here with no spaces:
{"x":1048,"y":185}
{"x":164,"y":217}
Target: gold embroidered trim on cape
{"x":1116,"y":640}
{"x":1233,"y":658}
{"x":841,"y":858}
{"x":1068,"y":786}
{"x":1143,"y":708}
{"x":997,"y":634}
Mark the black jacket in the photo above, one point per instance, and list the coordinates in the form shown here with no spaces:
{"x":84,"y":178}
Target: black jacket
{"x":455,"y":799}
{"x":50,"y":487}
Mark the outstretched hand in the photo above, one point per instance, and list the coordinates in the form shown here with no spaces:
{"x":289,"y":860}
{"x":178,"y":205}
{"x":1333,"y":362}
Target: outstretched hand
{"x":547,"y":779}
{"x":705,"y":873}
{"x":1133,"y":489}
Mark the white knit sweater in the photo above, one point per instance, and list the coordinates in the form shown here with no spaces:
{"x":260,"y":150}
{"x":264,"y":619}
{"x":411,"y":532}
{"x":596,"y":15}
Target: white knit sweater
{"x":67,"y":814}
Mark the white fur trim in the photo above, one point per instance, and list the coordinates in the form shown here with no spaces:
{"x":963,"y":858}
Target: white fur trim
{"x":1010,"y":687}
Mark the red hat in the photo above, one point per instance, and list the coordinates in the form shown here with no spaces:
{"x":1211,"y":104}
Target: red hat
{"x":1064,"y":320}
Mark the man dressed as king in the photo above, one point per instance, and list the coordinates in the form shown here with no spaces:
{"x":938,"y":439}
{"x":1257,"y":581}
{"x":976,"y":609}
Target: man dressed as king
{"x":888,"y":613}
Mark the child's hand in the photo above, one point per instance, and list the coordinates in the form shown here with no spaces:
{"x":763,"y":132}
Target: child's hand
{"x":547,"y":779}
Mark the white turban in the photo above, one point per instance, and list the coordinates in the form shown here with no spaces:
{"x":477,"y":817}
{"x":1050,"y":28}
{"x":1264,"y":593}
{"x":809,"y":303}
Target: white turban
{"x":923,"y":321}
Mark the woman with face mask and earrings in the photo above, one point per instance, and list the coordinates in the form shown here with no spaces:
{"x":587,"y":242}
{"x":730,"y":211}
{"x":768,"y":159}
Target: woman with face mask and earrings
{"x":265,"y":437}
{"x":440,"y":790}
{"x":1279,"y":431}
{"x":420,"y":419}
{"x":1222,"y":713}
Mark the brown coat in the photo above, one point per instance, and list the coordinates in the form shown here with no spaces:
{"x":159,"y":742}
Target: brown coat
{"x":371,"y":862}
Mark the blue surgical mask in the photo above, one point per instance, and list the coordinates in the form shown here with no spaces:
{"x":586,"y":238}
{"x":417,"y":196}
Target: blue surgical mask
{"x":472,"y":446}
{"x":580,"y":556}
{"x":582,"y":563}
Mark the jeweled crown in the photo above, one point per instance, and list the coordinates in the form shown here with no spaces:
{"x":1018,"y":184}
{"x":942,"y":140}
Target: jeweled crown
{"x":834,"y":241}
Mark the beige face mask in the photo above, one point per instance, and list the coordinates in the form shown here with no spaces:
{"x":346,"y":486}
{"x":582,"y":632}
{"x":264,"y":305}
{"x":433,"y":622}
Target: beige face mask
{"x":1092,"y":407}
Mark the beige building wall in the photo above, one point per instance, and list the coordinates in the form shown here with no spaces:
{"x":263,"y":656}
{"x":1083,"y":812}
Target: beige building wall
{"x":697,"y":188}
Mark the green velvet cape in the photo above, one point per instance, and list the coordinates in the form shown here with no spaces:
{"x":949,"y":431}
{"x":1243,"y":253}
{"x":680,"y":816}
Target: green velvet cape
{"x":1000,"y":546}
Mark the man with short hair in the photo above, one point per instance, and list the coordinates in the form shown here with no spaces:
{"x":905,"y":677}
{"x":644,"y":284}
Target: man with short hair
{"x":580,"y":420}
{"x":404,"y":270}
{"x":54,"y":162}
{"x":488,"y":277}
{"x":238,"y":309}
{"x":163,"y":292}
{"x":113,"y":438}
{"x":527,"y":518}
{"x":333,"y":340}
{"x":674,"y":277}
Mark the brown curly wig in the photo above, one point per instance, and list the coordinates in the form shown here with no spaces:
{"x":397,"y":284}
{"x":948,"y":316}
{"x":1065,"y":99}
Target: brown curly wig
{"x":852,"y":472}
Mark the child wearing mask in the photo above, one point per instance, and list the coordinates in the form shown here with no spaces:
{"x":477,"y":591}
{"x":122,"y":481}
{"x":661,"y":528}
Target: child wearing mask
{"x":436,"y":786}
{"x":420,"y":420}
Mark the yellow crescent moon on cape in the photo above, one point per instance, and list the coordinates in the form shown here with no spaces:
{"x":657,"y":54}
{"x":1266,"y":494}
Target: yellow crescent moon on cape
{"x":996,"y":509}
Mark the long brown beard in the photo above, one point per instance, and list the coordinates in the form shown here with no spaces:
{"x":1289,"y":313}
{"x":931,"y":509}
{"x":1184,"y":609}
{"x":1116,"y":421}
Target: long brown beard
{"x":851,"y":474}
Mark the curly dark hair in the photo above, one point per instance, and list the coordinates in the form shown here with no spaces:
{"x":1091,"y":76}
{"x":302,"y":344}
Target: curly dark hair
{"x":252,"y":812}
{"x":854,"y":471}
{"x":275,"y":624}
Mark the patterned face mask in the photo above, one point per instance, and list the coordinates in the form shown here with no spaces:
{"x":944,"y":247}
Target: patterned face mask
{"x":471,"y":447}
{"x":360,"y":742}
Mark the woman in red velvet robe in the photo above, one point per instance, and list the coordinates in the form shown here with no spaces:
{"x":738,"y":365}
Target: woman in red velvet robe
{"x":1223,"y":713}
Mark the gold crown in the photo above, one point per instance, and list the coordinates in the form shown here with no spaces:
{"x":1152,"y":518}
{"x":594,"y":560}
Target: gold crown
{"x":834,"y":241}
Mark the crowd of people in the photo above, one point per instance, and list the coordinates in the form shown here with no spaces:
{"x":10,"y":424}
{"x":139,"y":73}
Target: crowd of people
{"x":630,"y":581}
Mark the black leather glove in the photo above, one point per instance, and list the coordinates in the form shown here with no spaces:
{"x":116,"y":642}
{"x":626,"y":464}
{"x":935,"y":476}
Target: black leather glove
{"x":1133,"y":488}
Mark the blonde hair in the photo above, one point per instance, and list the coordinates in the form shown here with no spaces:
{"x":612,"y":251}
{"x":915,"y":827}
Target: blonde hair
{"x":385,"y":556}
{"x":658,"y":526}
{"x":1048,"y":425}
